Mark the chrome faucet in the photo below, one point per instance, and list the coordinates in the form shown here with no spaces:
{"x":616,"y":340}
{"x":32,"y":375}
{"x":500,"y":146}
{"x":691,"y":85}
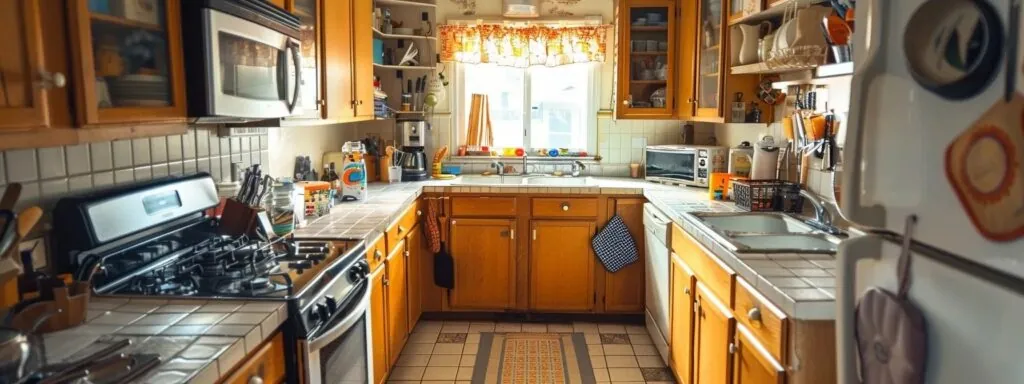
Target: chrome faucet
{"x":822,"y":218}
{"x":525,"y":171}
{"x":577,"y":166}
{"x":499,"y":167}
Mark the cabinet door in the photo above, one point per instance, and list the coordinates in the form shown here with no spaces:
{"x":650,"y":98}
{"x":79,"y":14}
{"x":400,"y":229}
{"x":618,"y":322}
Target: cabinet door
{"x":687,"y":55}
{"x":362,"y":46}
{"x":22,"y":104}
{"x":709,"y":58}
{"x":414,"y":253}
{"x":624,"y":290}
{"x":714,"y":327}
{"x":681,"y":344}
{"x":337,"y":60}
{"x":378,"y":325}
{"x":398,"y":303}
{"x":127,"y":61}
{"x":751,"y":362}
{"x":647,"y":59}
{"x":484,"y":252}
{"x":309,"y":12}
{"x":561,"y":265}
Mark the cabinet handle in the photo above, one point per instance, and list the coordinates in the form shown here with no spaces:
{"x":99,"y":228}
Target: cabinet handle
{"x":377,"y":254}
{"x":686,"y":291}
{"x":754,"y":314}
{"x":321,"y":102}
{"x":51,"y":80}
{"x":453,"y":222}
{"x":512,"y":234}
{"x":386,"y":282}
{"x":405,"y":253}
{"x":419,"y":212}
{"x":625,"y":102}
{"x":255,"y":379}
{"x":360,"y":102}
{"x":400,"y":229}
{"x":535,"y":234}
{"x":732,"y":348}
{"x":565,"y":207}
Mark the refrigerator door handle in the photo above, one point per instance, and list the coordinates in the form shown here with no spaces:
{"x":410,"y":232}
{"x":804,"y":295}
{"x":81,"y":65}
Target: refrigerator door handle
{"x":850,"y":252}
{"x":873,"y":66}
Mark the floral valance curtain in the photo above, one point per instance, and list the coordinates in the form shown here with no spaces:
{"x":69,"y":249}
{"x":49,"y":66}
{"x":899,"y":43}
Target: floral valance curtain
{"x":523,"y":46}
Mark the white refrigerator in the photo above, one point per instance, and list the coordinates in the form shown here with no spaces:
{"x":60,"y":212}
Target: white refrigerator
{"x":935,"y":131}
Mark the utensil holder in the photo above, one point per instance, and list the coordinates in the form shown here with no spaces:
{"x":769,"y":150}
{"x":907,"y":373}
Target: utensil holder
{"x":238,"y":218}
{"x":69,"y":307}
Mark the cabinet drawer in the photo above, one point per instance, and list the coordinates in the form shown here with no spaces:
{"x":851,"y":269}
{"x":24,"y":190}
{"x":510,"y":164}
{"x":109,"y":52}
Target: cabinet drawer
{"x":405,"y":223}
{"x":483,"y":206}
{"x":375,"y":252}
{"x":712,"y":272}
{"x":267,"y":364}
{"x":564,"y":207}
{"x":764,"y":320}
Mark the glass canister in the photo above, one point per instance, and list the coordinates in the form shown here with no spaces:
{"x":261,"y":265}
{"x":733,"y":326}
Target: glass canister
{"x":281,"y":207}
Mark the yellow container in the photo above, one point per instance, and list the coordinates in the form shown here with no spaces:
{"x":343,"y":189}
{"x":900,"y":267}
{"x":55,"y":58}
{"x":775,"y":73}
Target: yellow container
{"x":718,"y":186}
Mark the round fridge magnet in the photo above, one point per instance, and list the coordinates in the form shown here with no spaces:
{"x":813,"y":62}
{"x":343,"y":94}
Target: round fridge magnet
{"x":953,"y":47}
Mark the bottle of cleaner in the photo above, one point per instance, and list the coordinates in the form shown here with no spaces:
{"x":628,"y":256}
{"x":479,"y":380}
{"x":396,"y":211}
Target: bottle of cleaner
{"x":353,"y":172}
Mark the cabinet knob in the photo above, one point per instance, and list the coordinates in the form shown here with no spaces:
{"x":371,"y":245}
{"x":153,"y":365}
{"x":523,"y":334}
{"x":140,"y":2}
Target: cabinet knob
{"x":321,"y":102}
{"x":691,"y":100}
{"x":754,"y":314}
{"x":360,"y":102}
{"x":255,"y":380}
{"x":377,"y":254}
{"x":51,"y":80}
{"x":565,"y":206}
{"x":732,"y":348}
{"x":400,"y":229}
{"x":625,"y":102}
{"x":405,"y":253}
{"x":686,"y":291}
{"x":419,"y":212}
{"x":386,"y":282}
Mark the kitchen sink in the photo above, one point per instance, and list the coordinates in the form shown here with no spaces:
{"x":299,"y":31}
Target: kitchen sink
{"x":567,"y":181}
{"x":489,"y":180}
{"x":805,"y":243}
{"x":755,"y":222}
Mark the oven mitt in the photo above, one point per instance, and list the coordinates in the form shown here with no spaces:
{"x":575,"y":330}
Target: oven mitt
{"x":614,"y":246}
{"x":444,"y":269}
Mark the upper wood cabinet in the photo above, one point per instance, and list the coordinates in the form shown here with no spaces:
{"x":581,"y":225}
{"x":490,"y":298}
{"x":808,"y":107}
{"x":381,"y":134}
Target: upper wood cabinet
{"x":681,"y":303}
{"x":362,"y":58}
{"x":647,"y":59}
{"x":311,"y":89}
{"x":26,"y":77}
{"x":127,"y":61}
{"x":484,"y":252}
{"x":710,"y":48}
{"x":624,"y":289}
{"x":561,"y":266}
{"x":751,"y":362}
{"x":346,"y":66}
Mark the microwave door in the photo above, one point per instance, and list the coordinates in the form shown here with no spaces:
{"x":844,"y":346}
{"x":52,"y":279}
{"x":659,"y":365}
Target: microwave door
{"x":675,"y":165}
{"x":246,"y":69}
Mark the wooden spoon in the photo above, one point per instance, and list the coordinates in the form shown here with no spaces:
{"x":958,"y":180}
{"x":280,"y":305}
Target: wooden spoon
{"x":28,"y":219}
{"x":11,"y":195}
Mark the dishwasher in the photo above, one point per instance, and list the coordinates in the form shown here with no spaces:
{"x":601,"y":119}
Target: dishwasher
{"x":658,"y":265}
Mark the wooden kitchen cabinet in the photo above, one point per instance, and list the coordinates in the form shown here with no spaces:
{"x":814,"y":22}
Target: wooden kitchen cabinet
{"x":624,"y":290}
{"x":25,"y":68}
{"x":562,"y":266}
{"x":484,"y":253}
{"x":337,"y":84}
{"x":681,"y":293}
{"x":378,"y":325}
{"x":751,"y":362}
{"x":715,"y":89}
{"x":362,"y":58}
{"x":713,"y":328}
{"x":414,"y":255}
{"x":647,"y":59}
{"x":145,"y":83}
{"x":266,"y":365}
{"x":311,"y":88}
{"x":396,"y":297}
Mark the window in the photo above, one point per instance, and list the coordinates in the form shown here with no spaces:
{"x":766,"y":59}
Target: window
{"x":537,"y":107}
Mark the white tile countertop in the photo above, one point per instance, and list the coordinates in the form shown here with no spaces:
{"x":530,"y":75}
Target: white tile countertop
{"x":803,"y":286}
{"x":198,"y":341}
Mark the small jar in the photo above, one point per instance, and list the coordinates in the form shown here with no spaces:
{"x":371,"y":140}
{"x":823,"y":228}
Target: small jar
{"x":281,"y":208}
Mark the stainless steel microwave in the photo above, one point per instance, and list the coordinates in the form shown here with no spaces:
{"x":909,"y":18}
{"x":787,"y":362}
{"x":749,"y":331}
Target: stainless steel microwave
{"x":689,"y":165}
{"x":242,"y":60}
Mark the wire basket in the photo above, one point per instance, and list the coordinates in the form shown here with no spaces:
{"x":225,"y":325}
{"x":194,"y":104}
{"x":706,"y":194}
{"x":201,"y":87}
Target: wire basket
{"x":767,"y":195}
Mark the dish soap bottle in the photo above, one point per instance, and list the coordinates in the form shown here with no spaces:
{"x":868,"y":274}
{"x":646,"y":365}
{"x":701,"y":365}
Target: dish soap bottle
{"x":353,"y":172}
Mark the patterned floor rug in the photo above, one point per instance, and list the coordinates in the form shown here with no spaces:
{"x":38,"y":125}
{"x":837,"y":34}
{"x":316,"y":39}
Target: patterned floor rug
{"x":533,"y":358}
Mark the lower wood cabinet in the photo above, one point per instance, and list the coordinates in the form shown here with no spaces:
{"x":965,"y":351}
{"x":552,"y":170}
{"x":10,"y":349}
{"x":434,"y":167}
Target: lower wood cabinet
{"x":713,"y":328}
{"x":378,"y":325}
{"x":562,"y":266}
{"x":751,"y":361}
{"x":624,"y":289}
{"x":414,"y":256}
{"x":681,"y":303}
{"x":264,"y":366}
{"x":397,"y":302}
{"x":484,"y":251}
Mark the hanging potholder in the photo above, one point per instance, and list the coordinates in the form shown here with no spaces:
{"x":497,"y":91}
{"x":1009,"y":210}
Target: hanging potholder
{"x":614,"y":246}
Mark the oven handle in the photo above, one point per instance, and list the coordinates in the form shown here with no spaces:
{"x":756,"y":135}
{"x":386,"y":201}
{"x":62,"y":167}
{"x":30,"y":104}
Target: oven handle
{"x":294,"y":47}
{"x":326,"y":337}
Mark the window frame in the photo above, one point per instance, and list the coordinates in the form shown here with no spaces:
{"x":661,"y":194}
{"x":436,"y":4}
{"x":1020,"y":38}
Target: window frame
{"x":593,"y":97}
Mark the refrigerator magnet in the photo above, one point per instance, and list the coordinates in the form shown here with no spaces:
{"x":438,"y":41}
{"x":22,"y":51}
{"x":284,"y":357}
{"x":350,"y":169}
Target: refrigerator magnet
{"x":983,"y":165}
{"x":953,"y":47}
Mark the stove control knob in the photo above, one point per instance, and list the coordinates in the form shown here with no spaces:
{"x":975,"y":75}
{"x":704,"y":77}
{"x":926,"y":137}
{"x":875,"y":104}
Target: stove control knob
{"x":325,"y":313}
{"x":332,"y":304}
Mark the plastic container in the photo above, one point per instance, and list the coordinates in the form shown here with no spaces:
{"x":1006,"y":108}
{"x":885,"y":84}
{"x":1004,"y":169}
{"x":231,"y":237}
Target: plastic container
{"x":767,"y":196}
{"x":281,"y":208}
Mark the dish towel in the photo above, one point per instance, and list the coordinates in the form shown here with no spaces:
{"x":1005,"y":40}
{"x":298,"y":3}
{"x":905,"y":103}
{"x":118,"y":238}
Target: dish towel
{"x":433,"y":232}
{"x":614,"y":246}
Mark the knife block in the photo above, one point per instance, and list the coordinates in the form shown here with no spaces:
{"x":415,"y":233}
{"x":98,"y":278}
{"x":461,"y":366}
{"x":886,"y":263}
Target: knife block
{"x":238,"y":218}
{"x":68,"y":308}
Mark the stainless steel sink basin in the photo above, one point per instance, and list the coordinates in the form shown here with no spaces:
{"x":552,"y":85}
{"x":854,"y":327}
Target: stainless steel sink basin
{"x":570,"y":181}
{"x":786,"y":243}
{"x":489,"y":180}
{"x":756,"y":222}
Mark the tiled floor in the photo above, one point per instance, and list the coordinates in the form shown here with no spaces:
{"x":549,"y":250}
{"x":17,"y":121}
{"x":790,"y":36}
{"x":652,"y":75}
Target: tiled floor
{"x":445,"y":352}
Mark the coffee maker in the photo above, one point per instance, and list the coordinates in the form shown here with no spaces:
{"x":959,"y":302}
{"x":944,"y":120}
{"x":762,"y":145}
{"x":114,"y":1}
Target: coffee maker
{"x":412,"y":138}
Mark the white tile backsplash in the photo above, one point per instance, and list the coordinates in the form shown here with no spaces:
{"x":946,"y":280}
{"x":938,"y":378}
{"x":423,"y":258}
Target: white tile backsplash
{"x":122,"y":150}
{"x":174,"y":148}
{"x":158,"y":149}
{"x":100,"y":153}
{"x":124,"y":176}
{"x":140,"y":151}
{"x":79,"y":183}
{"x":51,"y":162}
{"x":78,"y":159}
{"x":188,"y":144}
{"x":21,"y":165}
{"x":102,"y":179}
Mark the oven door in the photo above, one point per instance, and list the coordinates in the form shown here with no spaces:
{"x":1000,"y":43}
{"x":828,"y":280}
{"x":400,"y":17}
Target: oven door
{"x":254,"y":70}
{"x":677,"y":165}
{"x":340,"y":351}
